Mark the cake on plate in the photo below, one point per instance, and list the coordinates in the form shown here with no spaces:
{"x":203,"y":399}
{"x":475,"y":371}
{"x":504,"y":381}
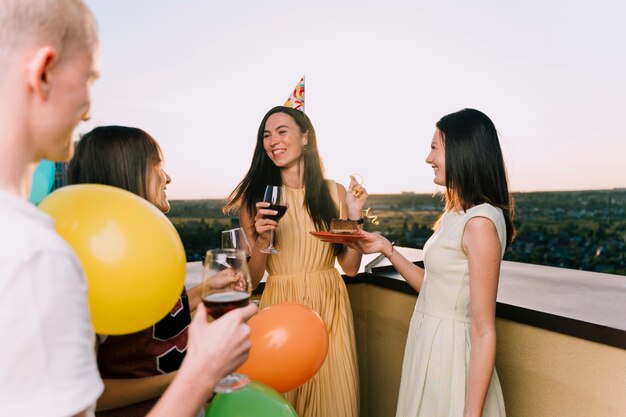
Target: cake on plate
{"x":344,"y":227}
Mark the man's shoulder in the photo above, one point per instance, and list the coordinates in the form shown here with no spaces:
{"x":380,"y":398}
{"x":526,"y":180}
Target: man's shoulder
{"x":27,"y":234}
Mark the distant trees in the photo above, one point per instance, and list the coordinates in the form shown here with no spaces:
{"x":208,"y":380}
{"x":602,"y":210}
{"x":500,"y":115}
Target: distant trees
{"x":580,"y":229}
{"x":200,"y":224}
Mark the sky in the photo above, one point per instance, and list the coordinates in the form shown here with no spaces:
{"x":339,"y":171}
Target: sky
{"x":199,"y":75}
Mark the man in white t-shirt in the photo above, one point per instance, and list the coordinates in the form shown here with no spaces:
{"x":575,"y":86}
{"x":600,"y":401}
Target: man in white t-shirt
{"x":48,"y":60}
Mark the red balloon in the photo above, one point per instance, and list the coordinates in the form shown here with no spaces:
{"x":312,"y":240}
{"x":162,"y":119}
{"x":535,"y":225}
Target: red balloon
{"x":289,"y":346}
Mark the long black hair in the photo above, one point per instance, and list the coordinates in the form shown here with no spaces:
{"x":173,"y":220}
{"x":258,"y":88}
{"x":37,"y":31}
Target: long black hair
{"x":263,"y":171}
{"x":115,"y":155}
{"x":475,"y":171}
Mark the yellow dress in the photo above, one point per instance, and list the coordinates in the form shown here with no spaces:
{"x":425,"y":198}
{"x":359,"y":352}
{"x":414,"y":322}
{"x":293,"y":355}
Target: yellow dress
{"x":304,"y":272}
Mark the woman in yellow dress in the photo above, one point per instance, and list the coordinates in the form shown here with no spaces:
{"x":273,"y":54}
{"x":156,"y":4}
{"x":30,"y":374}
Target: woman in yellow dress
{"x":286,"y":155}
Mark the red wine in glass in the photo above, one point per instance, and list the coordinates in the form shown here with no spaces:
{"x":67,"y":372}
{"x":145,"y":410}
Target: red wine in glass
{"x":234,"y":261}
{"x":226,"y":286}
{"x":273,"y":195}
{"x":220,"y":303}
{"x":281,"y":210}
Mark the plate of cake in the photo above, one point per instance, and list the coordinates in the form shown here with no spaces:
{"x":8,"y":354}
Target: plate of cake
{"x":341,"y":231}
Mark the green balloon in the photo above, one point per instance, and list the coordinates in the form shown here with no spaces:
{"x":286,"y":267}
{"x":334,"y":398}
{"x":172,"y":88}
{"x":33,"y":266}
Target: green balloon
{"x":255,"y":400}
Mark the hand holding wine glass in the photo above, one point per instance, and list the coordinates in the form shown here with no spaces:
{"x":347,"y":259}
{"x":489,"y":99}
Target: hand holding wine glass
{"x":273,"y":195}
{"x":226,"y":286}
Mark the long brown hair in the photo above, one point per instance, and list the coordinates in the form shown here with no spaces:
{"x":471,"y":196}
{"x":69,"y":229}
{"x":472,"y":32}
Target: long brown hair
{"x":263,"y":171}
{"x":115,"y":155}
{"x":475,"y":170}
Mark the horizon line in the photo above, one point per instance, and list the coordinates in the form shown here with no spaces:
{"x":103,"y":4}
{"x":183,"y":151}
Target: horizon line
{"x":433,"y":194}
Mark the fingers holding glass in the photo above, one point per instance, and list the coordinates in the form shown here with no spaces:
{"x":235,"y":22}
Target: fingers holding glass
{"x":226,"y":281}
{"x":273,"y":196}
{"x":226,"y":285}
{"x":262,"y":224}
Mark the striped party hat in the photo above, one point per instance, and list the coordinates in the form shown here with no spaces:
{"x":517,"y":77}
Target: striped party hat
{"x":296,"y":99}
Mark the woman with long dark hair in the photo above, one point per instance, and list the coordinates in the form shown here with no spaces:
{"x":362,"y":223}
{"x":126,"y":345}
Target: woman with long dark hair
{"x":286,"y":155}
{"x":448,"y":368}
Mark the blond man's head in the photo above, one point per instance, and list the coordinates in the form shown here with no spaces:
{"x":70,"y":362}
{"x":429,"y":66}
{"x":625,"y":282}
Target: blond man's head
{"x":66,"y":25}
{"x":48,"y":61}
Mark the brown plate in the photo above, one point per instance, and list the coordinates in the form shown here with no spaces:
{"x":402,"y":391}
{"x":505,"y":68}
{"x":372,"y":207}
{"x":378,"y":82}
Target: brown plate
{"x":335,"y":237}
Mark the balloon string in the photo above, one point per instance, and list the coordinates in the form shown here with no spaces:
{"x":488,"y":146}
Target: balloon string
{"x":372,"y":217}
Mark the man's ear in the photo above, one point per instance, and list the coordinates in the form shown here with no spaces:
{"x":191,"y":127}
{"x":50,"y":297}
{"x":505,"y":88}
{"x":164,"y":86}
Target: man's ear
{"x":39,"y":74}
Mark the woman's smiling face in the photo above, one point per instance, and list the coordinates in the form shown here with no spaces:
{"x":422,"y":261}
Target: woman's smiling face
{"x":437,"y":158}
{"x":283,"y":141}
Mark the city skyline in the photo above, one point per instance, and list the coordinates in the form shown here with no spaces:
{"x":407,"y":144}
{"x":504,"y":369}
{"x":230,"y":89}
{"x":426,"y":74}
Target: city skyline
{"x":200,"y":76}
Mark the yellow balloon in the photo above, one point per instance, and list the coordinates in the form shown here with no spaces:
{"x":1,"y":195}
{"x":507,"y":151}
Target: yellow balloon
{"x":132,"y":256}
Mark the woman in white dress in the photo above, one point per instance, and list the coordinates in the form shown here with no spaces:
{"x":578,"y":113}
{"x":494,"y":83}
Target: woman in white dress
{"x":448,"y":368}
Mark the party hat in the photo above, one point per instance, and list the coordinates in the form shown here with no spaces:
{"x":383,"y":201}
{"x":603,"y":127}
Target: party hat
{"x":296,"y":99}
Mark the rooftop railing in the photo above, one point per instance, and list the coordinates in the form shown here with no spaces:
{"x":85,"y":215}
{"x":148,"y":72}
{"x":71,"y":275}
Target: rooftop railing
{"x":561,"y":338}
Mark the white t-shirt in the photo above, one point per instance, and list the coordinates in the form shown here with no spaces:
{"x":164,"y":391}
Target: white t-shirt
{"x":47,"y":358}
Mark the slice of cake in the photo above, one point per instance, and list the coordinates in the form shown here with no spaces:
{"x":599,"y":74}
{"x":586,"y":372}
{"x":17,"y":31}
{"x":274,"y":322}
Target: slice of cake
{"x":344,"y":227}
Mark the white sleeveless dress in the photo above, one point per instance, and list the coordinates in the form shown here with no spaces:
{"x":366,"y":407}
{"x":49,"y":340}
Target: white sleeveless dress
{"x":436,"y":358}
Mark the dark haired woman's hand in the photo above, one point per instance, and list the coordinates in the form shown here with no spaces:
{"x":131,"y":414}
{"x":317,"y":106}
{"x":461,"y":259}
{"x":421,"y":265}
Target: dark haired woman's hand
{"x":356,"y":197}
{"x":371,"y":243}
{"x":224,"y":278}
{"x":263,"y":223}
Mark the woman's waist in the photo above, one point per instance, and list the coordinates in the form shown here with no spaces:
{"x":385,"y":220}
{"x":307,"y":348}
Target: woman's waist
{"x":443,"y":313}
{"x":294,"y":273}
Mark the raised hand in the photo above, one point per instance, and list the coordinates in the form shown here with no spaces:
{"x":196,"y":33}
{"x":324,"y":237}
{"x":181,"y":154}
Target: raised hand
{"x":221,"y":346}
{"x":224,"y":279}
{"x":356,"y":197}
{"x":213,"y":350}
{"x":263,"y":222}
{"x":274,"y":195}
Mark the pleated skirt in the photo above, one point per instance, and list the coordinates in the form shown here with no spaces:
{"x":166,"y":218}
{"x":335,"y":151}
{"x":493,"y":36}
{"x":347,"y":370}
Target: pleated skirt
{"x":334,"y":390}
{"x":435,"y":370}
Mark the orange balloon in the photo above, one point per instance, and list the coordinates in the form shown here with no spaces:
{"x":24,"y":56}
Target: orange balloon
{"x":289,"y":346}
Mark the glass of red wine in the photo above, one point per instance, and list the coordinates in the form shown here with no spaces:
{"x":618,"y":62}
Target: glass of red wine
{"x":236,"y":239}
{"x":226,"y":286}
{"x":273,"y":195}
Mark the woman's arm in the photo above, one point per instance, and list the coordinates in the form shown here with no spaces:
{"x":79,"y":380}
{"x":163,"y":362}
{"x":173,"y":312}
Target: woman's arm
{"x":481,"y":244}
{"x":122,"y":392}
{"x":349,"y":258}
{"x":375,"y":243}
{"x":213,"y":350}
{"x":257,"y":231}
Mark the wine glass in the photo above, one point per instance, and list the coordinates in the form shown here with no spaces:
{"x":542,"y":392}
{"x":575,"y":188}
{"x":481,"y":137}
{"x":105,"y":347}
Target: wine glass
{"x":226,"y":286}
{"x":236,"y":239}
{"x":273,"y":195}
